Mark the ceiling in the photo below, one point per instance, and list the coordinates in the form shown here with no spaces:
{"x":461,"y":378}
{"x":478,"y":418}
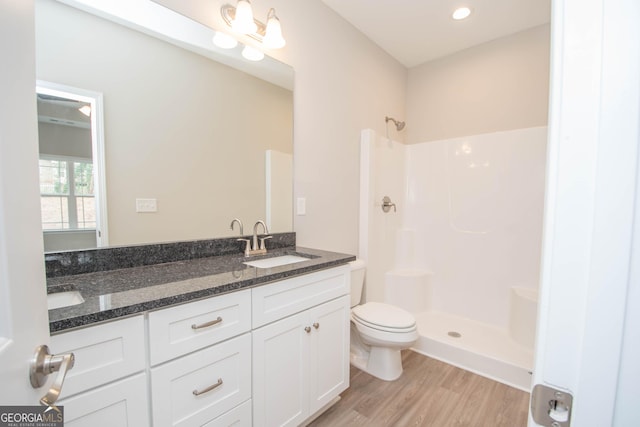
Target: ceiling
{"x":417,"y":31}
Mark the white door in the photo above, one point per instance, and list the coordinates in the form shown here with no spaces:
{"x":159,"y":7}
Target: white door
{"x":23,"y":311}
{"x":588,"y":316}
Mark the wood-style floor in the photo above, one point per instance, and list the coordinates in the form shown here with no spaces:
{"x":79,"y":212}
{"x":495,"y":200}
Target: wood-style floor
{"x":429,"y":393}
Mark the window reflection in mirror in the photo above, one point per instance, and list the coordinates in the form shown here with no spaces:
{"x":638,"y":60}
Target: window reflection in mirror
{"x":72,"y":202}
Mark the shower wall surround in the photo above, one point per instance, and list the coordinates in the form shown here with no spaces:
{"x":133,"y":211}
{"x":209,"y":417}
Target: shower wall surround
{"x":469,"y":210}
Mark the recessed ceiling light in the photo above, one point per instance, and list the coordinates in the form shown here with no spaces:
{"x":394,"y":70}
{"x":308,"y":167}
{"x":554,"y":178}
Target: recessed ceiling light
{"x":461,"y":13}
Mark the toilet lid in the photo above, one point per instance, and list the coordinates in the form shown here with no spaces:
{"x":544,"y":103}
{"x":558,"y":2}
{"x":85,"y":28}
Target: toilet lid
{"x":384,"y":315}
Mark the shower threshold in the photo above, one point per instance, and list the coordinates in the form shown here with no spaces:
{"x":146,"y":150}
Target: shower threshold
{"x":474,"y":346}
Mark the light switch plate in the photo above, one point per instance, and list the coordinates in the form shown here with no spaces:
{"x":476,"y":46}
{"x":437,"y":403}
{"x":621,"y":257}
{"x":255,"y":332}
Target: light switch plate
{"x":146,"y":205}
{"x":301,"y":206}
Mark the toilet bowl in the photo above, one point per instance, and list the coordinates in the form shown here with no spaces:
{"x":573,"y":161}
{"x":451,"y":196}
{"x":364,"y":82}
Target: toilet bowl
{"x":379,"y":332}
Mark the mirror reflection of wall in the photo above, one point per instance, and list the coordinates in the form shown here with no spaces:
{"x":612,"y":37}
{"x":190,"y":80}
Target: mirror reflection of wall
{"x":182,"y":129}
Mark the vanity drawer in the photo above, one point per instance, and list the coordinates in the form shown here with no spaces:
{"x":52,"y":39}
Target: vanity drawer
{"x":274,"y":301}
{"x":240,"y":416}
{"x":180,"y":330}
{"x":103,"y":353}
{"x":123,"y":403}
{"x":174,"y":383}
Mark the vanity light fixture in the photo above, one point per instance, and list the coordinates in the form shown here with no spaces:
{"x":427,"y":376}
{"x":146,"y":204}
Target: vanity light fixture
{"x":86,"y":110}
{"x":461,"y":13}
{"x":224,"y":41}
{"x":252,"y":54}
{"x":241,"y":20}
{"x":273,"y":34}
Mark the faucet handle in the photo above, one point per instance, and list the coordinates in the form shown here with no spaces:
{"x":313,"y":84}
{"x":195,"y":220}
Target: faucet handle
{"x":262,"y":239}
{"x":247,"y":246}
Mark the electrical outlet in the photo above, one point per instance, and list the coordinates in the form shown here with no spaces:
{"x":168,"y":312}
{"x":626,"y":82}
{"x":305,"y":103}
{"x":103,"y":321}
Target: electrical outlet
{"x":146,"y":205}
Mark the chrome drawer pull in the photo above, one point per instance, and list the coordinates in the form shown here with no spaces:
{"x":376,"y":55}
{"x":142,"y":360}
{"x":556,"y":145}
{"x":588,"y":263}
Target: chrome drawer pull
{"x":316,"y":325}
{"x":307,"y":329}
{"x":208,"y":389}
{"x":206,"y":325}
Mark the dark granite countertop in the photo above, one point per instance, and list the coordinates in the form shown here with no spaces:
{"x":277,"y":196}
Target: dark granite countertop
{"x":123,"y":292}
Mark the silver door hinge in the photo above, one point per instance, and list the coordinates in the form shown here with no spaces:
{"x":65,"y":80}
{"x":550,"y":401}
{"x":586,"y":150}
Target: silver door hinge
{"x":551,"y":407}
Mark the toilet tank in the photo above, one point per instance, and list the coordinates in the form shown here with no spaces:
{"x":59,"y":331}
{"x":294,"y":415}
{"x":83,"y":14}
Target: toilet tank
{"x":357,"y":281}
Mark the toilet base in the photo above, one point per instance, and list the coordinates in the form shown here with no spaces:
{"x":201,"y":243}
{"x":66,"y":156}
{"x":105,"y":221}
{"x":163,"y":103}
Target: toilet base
{"x":382,"y":363}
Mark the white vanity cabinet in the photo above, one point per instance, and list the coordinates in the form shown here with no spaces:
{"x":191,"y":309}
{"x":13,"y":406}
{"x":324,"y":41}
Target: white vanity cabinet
{"x":107,"y":386}
{"x":200,"y":356}
{"x":272,"y":355}
{"x":300,"y":346}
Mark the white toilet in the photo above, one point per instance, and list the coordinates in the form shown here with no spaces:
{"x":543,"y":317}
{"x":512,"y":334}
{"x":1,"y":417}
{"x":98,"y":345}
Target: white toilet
{"x":378,"y":331}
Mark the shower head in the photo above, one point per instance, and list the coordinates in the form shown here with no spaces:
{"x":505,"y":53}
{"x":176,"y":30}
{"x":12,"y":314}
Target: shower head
{"x":399,"y":125}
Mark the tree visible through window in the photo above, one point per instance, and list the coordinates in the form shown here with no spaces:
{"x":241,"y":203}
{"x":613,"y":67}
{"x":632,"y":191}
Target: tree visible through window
{"x":67,"y":196}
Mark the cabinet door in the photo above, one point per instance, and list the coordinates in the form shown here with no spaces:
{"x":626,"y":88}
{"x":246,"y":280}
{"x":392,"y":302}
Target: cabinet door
{"x":281,"y":372}
{"x":123,"y":403}
{"x":329,"y":352}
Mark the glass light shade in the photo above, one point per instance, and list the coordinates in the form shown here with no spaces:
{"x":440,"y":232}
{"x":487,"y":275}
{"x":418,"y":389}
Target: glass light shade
{"x":224,"y":41}
{"x":252,"y":54}
{"x":273,"y":35}
{"x":461,"y":13}
{"x":243,"y":21}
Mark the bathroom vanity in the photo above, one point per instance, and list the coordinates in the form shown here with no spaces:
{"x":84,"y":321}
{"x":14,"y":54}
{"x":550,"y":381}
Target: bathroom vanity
{"x":202,"y":341}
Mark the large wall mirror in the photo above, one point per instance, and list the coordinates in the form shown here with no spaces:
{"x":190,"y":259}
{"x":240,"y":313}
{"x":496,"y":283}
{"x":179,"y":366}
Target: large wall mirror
{"x":204,"y":141}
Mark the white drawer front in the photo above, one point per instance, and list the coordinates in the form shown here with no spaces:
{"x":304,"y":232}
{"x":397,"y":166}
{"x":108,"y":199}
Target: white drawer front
{"x":240,"y":416}
{"x":123,"y":403}
{"x":280,"y":299}
{"x":173,"y":384}
{"x":103,"y":353}
{"x":172,"y":333}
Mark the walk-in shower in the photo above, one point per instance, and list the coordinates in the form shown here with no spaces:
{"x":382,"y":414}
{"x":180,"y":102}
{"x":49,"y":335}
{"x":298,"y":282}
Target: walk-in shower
{"x":462,"y":251}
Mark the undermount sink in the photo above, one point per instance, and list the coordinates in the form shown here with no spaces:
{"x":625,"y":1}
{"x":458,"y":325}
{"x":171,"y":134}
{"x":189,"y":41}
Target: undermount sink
{"x":64,"y":299}
{"x":276,"y":261}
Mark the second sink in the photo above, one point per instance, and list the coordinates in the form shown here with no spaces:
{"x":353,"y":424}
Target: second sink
{"x":64,"y":299}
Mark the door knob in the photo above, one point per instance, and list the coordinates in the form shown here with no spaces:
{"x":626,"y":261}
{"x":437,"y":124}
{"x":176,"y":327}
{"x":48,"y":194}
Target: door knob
{"x":43,"y":364}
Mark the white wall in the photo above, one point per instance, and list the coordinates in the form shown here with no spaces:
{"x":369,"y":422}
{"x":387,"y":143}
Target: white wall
{"x":495,"y":86}
{"x":343,"y":83}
